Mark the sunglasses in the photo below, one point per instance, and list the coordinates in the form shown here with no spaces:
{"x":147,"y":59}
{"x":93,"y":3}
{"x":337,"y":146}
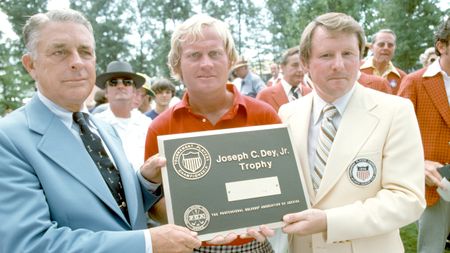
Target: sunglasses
{"x":125,"y":82}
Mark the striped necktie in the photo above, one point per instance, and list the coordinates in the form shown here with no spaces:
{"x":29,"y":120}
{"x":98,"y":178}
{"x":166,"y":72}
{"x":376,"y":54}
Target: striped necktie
{"x":326,"y":138}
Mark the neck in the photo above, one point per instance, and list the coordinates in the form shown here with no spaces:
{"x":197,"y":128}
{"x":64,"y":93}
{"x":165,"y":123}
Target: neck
{"x":160,"y":108}
{"x":121,"y":110}
{"x":381,"y":66}
{"x":444,"y":66}
{"x":212,"y":107}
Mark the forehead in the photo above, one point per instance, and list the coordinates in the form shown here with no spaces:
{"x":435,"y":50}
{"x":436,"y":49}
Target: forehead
{"x":293,"y":58}
{"x":325,"y":39}
{"x":65,"y":34}
{"x":385,"y":37}
{"x":207,"y":38}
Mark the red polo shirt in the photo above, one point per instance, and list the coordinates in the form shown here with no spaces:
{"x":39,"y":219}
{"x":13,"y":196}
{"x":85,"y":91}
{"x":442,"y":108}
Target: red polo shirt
{"x":245,"y":111}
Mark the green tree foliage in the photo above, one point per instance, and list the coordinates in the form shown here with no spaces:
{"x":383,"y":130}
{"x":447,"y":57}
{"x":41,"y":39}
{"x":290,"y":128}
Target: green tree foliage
{"x":139,"y":31}
{"x":15,"y":83}
{"x":156,"y":20}
{"x":414,"y":22}
{"x":110,"y":30}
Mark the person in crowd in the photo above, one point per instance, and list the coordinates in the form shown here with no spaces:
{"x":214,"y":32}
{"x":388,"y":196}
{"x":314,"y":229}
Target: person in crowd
{"x":290,"y":87}
{"x":144,"y":96}
{"x":101,"y":102}
{"x":359,"y":150}
{"x":380,"y":64}
{"x":247,"y":82}
{"x":428,"y":90}
{"x":121,"y":85}
{"x":65,"y":180}
{"x":428,"y":57}
{"x":276,"y":75}
{"x":201,"y":55}
{"x":164,"y":92}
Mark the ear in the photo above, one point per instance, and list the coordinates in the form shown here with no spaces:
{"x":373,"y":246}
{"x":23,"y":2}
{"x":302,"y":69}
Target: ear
{"x":28,"y":64}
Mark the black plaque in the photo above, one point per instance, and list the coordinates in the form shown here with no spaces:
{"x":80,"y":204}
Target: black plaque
{"x":228,"y":180}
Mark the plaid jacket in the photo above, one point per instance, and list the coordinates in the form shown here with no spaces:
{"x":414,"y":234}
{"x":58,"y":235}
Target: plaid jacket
{"x":433,"y":114}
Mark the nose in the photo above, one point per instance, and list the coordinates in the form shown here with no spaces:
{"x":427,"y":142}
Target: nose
{"x":75,"y":60}
{"x":205,"y":61}
{"x":338,"y":62}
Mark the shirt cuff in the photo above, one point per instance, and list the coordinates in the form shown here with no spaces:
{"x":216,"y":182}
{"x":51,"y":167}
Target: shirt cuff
{"x":147,"y":184}
{"x":148,"y":240}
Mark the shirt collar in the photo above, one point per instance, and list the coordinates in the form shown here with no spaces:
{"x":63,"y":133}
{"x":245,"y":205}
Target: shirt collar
{"x":238,"y":100}
{"x":63,"y":114}
{"x":340,"y":104}
{"x":369,"y":64}
{"x":433,"y":69}
{"x":286,"y":86}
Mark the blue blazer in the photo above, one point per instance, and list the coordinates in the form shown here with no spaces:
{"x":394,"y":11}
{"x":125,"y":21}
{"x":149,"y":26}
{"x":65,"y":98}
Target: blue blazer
{"x":52,"y":196}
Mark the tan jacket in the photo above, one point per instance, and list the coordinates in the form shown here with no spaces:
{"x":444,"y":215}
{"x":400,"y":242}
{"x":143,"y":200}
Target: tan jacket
{"x":363,"y":217}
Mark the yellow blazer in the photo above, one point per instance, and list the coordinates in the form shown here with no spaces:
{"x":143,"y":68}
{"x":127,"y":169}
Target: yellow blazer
{"x":363,"y":217}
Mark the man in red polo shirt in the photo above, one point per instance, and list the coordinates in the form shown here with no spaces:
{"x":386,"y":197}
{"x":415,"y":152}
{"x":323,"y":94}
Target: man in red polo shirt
{"x":202,"y":53}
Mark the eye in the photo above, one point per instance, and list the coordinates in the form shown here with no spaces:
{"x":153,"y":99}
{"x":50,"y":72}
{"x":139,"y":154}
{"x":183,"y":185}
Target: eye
{"x":59,"y":52}
{"x":194,"y":55}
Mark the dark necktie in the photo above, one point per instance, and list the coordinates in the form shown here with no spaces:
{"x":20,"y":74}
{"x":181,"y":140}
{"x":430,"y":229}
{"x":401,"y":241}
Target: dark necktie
{"x":294,"y":93}
{"x":95,"y":148}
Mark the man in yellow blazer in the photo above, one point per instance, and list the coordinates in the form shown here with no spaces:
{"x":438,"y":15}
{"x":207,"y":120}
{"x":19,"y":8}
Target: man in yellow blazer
{"x":365,"y":179}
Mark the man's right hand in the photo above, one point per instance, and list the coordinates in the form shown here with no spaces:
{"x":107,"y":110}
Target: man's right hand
{"x":432,"y":175}
{"x":173,"y":239}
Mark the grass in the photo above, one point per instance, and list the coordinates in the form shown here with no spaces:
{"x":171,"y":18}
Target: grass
{"x":409,"y":237}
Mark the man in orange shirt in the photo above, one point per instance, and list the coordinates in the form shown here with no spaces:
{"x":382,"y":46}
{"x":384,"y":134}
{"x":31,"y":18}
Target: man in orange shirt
{"x":428,"y":89}
{"x":290,"y":86}
{"x":202,"y":53}
{"x":383,"y":48}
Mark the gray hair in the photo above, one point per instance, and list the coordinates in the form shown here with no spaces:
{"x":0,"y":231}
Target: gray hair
{"x":33,"y":25}
{"x":191,"y":31}
{"x":374,"y":37}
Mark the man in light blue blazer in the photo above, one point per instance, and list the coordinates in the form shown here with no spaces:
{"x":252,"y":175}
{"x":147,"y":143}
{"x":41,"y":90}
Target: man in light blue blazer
{"x":53,"y":197}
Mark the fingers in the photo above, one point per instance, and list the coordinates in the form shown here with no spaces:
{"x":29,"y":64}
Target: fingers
{"x":220,"y":239}
{"x":432,"y":175}
{"x":261,"y":234}
{"x":172,"y":238}
{"x":151,"y":169}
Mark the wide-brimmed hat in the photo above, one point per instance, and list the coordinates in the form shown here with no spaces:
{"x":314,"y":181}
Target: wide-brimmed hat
{"x":239,"y":63}
{"x":119,"y":69}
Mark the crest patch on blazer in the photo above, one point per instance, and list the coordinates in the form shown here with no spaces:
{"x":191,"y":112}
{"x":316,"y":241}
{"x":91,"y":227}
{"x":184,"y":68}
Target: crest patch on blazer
{"x":362,"y":172}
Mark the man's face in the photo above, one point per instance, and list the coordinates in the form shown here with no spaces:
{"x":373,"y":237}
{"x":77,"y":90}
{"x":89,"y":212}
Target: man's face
{"x":444,"y":50}
{"x":292,"y":71}
{"x":120,"y":90}
{"x":163,"y":97}
{"x":241,"y":72}
{"x":334,"y":63}
{"x":204,"y":64}
{"x":274,"y":70}
{"x":64,"y":64}
{"x":384,"y":47}
{"x":140,"y":97}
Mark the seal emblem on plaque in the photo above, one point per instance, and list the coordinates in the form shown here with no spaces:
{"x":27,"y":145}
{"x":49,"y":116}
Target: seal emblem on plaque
{"x":196,"y":218}
{"x":191,"y":161}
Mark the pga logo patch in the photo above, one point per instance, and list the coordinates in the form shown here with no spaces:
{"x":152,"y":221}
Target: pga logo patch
{"x":362,"y":172}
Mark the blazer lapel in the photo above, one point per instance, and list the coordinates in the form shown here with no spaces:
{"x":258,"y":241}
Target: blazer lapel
{"x":127,"y":173}
{"x":299,"y":128}
{"x":356,"y":126}
{"x":60,"y":145}
{"x":435,"y":88}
